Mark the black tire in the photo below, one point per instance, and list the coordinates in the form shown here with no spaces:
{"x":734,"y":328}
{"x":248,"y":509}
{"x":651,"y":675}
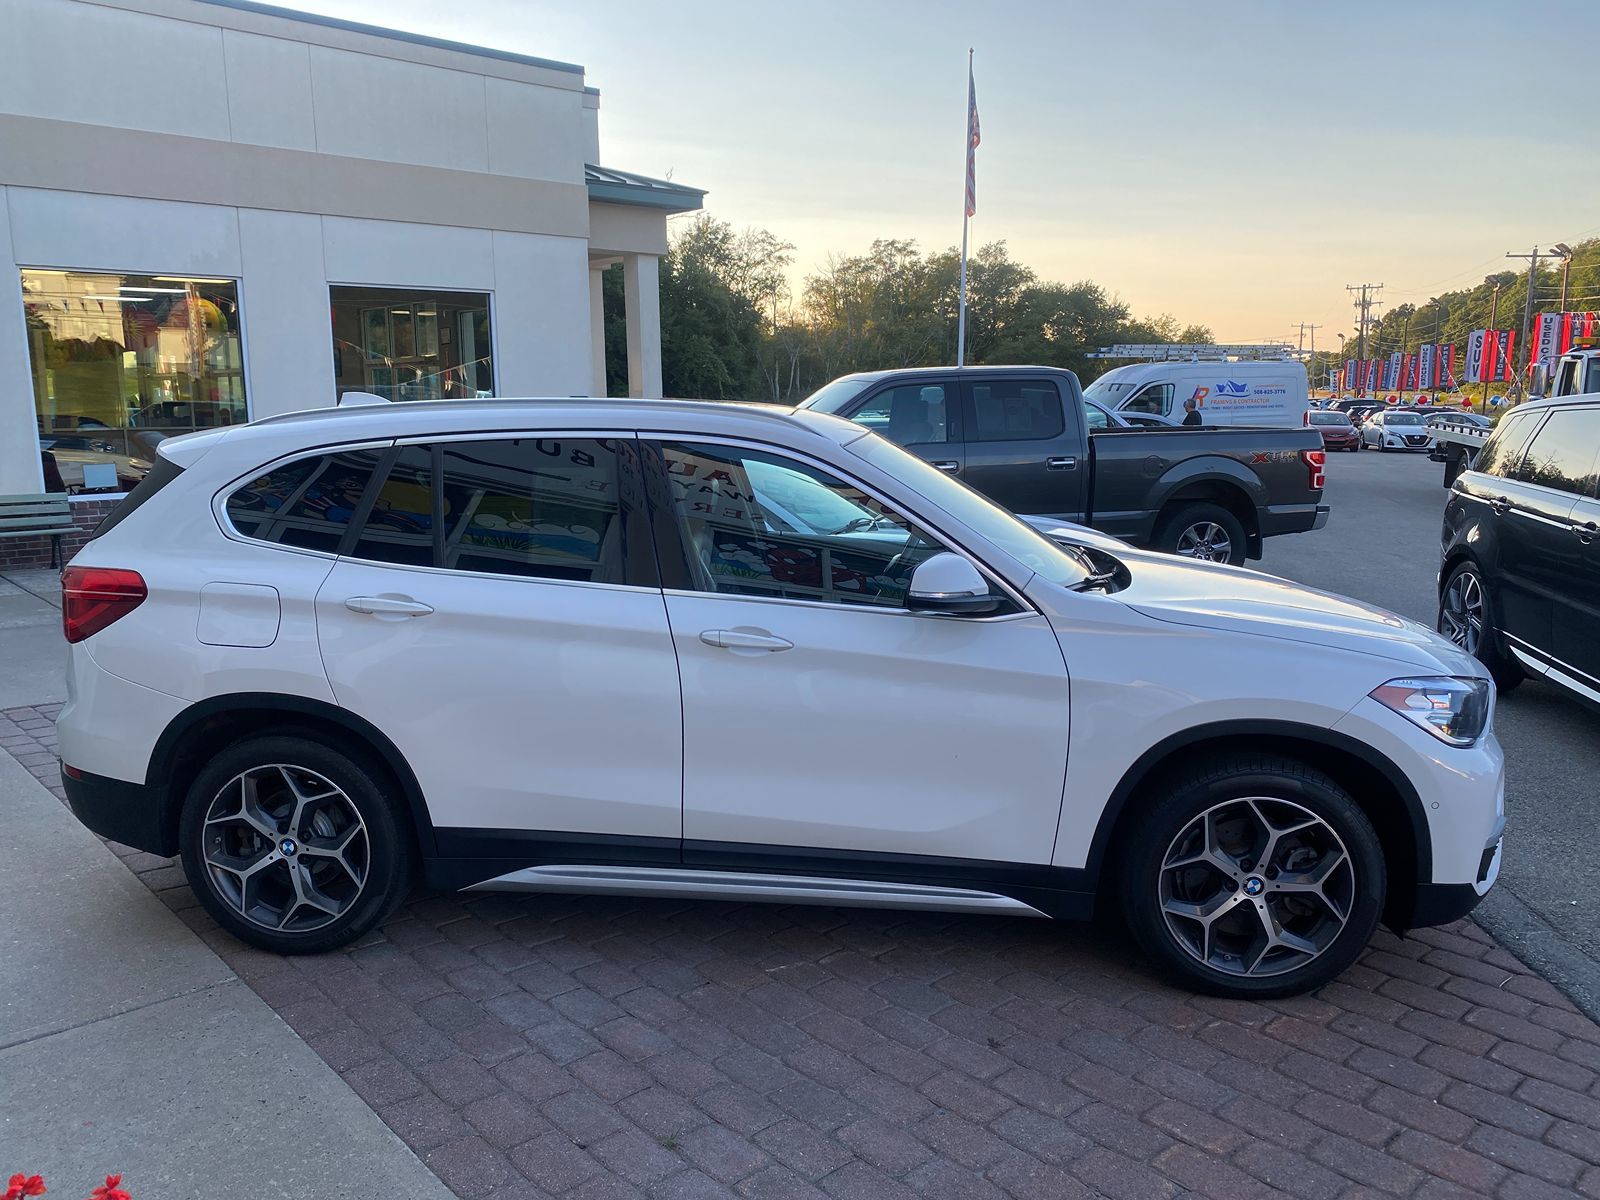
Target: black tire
{"x":1175,"y":524}
{"x":1503,"y":669}
{"x":1361,"y":444}
{"x":1288,"y":786}
{"x":379,"y":844}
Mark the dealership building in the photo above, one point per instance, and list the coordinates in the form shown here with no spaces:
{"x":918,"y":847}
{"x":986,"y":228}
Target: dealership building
{"x":216,"y":210}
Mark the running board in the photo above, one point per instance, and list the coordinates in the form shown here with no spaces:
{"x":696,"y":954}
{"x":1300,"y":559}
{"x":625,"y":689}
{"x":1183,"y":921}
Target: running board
{"x":734,"y":885}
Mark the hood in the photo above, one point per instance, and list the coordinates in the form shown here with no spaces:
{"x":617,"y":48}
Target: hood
{"x":1209,"y":596}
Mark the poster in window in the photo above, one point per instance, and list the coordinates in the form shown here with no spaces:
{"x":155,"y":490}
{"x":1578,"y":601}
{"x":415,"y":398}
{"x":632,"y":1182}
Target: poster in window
{"x":375,"y":333}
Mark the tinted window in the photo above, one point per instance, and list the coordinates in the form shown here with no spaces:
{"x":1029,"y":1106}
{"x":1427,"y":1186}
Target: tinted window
{"x":757,"y":524}
{"x":1562,"y":453}
{"x":305,"y":503}
{"x":1328,"y":418}
{"x":1016,"y":410}
{"x":399,"y":527}
{"x":544,"y":507}
{"x":913,"y":415}
{"x":1505,"y":445}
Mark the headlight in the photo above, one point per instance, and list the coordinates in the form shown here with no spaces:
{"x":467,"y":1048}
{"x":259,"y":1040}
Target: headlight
{"x":1454,"y":710}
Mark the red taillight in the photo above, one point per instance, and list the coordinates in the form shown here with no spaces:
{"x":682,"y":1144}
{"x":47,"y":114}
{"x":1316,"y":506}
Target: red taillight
{"x":1316,"y":461}
{"x":94,"y":597}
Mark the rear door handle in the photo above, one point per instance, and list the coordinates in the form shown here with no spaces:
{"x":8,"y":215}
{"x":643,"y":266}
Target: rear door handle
{"x":1065,"y":462}
{"x":740,"y":639}
{"x":388,"y":606}
{"x":1586,"y":531}
{"x":1500,"y":504}
{"x":948,"y":467}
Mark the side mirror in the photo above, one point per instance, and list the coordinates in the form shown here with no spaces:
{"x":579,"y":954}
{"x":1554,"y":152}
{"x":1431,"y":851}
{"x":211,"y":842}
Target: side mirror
{"x":948,"y":583}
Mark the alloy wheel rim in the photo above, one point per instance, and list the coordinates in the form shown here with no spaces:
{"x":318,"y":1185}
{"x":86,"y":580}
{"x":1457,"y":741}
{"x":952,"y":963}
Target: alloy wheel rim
{"x":1256,"y":887}
{"x":286,"y":848}
{"x":1206,"y":540}
{"x":1461,"y":614}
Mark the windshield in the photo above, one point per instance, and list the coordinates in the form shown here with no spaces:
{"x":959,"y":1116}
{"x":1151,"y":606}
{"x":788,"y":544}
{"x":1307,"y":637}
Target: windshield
{"x":1329,"y":418}
{"x":1033,"y":550}
{"x":832,"y":397}
{"x":1105,"y":391}
{"x":1402,"y":418}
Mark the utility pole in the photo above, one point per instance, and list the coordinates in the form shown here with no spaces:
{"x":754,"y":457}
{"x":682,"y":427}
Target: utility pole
{"x":1566,"y":253}
{"x":1364,"y":304}
{"x":1527,"y":309}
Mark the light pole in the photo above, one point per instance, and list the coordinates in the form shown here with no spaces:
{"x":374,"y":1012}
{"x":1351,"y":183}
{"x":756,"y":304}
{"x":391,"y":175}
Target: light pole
{"x":1566,"y":253}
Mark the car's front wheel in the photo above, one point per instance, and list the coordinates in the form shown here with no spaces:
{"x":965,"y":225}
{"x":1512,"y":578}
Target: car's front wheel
{"x":1467,"y":618}
{"x":293,"y":846}
{"x":1255,"y":876}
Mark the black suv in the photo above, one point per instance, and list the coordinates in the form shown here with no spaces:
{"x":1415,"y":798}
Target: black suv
{"x":1519,"y":586}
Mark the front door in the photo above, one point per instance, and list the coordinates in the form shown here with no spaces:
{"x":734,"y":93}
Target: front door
{"x":1573,"y":466}
{"x":498,"y":616}
{"x":1540,"y":556}
{"x":922,"y":416}
{"x":818,"y":714}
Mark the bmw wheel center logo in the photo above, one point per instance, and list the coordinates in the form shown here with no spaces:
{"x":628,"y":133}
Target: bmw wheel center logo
{"x":1254,"y":886}
{"x":288,"y":847}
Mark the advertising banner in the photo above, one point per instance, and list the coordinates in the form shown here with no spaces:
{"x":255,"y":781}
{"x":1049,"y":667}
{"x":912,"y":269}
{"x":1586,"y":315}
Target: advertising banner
{"x":1474,"y":371}
{"x":1547,"y":338}
{"x":1410,"y":384}
{"x":1425,"y":366}
{"x":1391,"y":375}
{"x":1446,"y":358}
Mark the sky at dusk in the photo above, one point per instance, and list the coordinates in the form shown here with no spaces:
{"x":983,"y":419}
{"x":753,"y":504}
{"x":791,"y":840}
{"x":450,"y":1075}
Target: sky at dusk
{"x":1234,"y":163}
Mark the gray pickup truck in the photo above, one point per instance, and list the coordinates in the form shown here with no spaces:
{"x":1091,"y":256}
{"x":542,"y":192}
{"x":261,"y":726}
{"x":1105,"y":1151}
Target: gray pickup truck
{"x":1023,"y":437}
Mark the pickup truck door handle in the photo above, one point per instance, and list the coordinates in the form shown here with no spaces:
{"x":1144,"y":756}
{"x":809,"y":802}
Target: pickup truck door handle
{"x":739,"y":639}
{"x":1065,"y":462}
{"x":948,"y":466}
{"x":388,"y":606}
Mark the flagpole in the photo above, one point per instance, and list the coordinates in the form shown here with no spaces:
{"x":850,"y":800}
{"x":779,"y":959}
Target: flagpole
{"x":961,"y":318}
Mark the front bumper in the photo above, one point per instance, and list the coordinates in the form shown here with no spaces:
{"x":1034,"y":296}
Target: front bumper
{"x":130,"y":813}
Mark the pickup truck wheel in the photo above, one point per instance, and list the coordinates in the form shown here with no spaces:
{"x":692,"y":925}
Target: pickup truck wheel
{"x":1205,"y":531}
{"x":1255,"y":876}
{"x":1466,"y":617}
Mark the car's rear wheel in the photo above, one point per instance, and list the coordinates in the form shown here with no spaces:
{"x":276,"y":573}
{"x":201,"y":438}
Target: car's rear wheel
{"x":293,"y":846}
{"x":1256,"y":876}
{"x":1208,"y":532}
{"x":1467,"y":618}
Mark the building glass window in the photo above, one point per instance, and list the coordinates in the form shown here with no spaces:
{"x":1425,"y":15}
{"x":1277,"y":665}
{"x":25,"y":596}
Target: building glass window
{"x":120,"y":362}
{"x":403,"y":344}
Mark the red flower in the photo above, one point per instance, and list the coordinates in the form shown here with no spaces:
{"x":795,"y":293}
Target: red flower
{"x":20,"y":1185}
{"x":110,"y":1191}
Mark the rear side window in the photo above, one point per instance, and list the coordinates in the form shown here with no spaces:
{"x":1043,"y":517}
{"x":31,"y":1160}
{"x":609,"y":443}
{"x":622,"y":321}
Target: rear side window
{"x":1562,"y":454}
{"x":307,"y":503}
{"x":1504,"y":447}
{"x":1006,"y":410}
{"x":163,"y":473}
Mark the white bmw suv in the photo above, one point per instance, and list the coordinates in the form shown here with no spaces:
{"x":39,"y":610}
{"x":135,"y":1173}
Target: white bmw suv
{"x":695,"y":650}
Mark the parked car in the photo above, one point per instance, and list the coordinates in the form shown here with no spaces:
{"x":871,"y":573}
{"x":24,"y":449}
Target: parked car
{"x":1270,"y":392}
{"x":1395,"y":429}
{"x":1519,"y":580}
{"x":1336,"y":429}
{"x":1023,"y":437}
{"x":715,"y":651}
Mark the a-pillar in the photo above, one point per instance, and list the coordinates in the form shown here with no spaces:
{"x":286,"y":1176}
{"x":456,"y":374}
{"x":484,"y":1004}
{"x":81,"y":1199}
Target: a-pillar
{"x":597,"y":328}
{"x":641,"y":285}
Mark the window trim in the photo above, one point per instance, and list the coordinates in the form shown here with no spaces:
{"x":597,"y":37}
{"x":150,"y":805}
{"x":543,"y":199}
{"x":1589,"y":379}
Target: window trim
{"x":676,"y":553}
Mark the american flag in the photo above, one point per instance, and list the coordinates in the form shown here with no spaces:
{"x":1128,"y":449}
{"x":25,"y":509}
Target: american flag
{"x":973,"y":138}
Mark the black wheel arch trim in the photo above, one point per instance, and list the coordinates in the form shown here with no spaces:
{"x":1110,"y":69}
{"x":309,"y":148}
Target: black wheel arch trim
{"x":1147,"y":764}
{"x":164,"y":757}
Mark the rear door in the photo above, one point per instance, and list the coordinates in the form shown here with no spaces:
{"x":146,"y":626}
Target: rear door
{"x":923,"y":415}
{"x":1025,"y":444}
{"x":495,"y":610}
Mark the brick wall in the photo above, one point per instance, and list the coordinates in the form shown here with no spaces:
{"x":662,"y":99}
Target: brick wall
{"x":35,"y":551}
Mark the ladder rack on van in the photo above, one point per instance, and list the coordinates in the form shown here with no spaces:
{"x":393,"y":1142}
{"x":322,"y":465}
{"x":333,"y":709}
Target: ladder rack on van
{"x":1197,"y":352}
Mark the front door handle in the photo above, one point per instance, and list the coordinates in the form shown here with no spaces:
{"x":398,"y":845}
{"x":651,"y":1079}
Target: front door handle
{"x":1500,"y":504}
{"x":388,"y":606}
{"x":947,"y":466}
{"x":1586,"y":532}
{"x":1065,"y":462}
{"x":743,"y":639}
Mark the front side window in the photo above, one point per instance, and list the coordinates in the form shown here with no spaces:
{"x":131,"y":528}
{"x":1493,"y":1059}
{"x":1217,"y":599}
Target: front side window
{"x":1006,"y":410}
{"x":120,"y":362}
{"x":1095,"y":417}
{"x":1562,"y":454}
{"x":307,"y":503}
{"x":916,"y":414}
{"x":758,"y":524}
{"x":405,"y":344}
{"x":1155,"y":400}
{"x":1504,"y":447}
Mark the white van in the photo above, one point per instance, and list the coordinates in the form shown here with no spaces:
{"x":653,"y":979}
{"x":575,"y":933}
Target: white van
{"x":1227,"y":393}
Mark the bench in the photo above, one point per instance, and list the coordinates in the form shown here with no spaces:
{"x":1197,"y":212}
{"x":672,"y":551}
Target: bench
{"x":35,"y":516}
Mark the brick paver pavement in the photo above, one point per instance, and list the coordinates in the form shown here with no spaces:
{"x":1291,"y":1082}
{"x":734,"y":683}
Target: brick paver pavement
{"x":584,"y":1047}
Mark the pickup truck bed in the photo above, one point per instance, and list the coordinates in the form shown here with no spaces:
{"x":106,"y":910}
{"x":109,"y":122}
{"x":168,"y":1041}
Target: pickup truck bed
{"x":1020,"y":435}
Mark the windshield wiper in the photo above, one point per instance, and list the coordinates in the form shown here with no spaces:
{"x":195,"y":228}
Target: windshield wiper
{"x":1103,"y":579}
{"x":857,"y":524}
